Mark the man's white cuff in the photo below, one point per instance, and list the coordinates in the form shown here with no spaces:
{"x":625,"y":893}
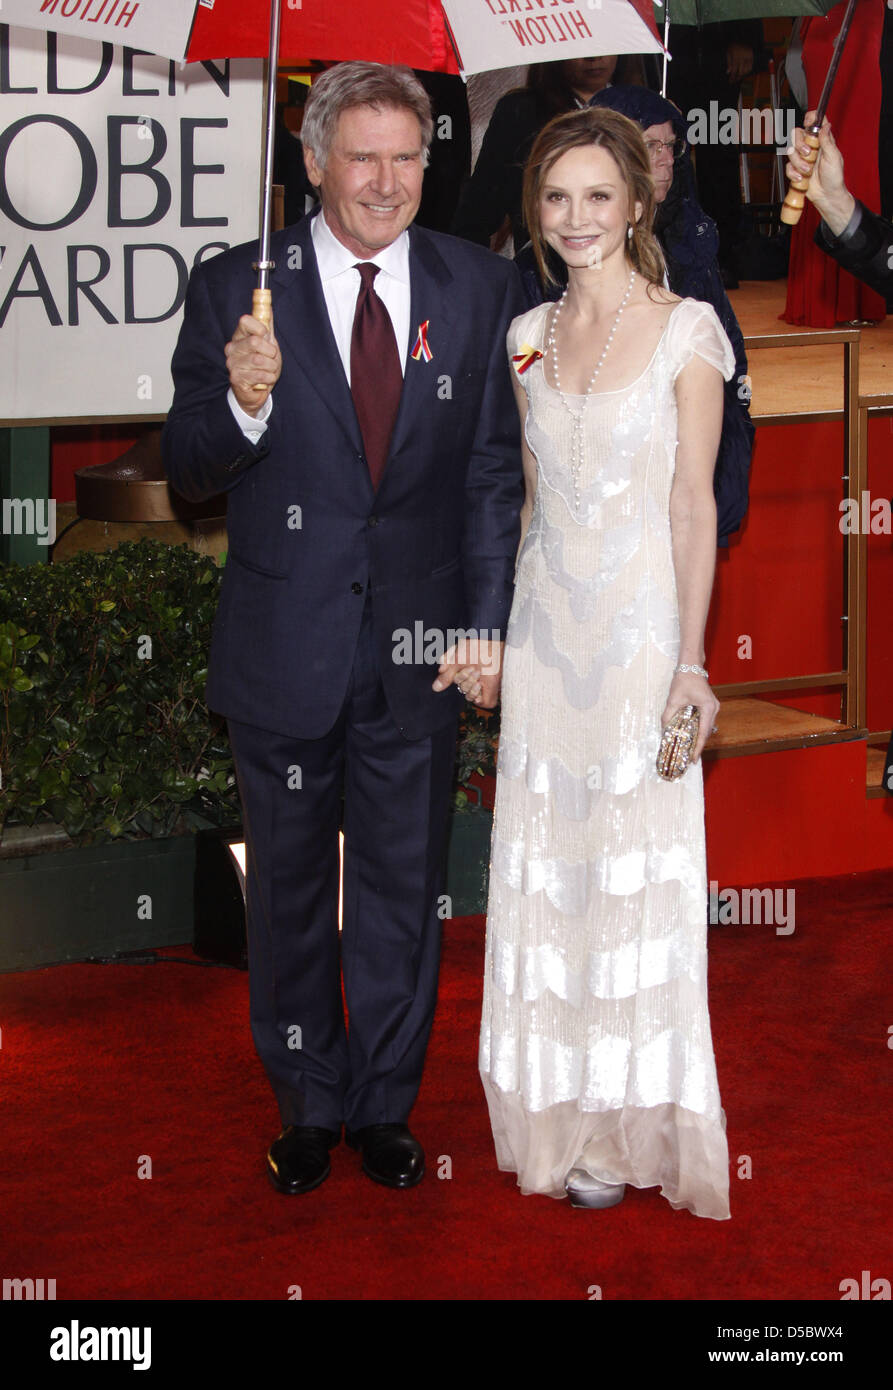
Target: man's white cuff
{"x":252,"y":426}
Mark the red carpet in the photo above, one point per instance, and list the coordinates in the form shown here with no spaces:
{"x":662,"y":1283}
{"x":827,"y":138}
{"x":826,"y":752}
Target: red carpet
{"x":102,"y":1065}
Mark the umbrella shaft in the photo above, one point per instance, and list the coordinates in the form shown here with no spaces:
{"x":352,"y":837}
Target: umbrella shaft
{"x":263,"y":274}
{"x":832,"y":68}
{"x":663,"y":76}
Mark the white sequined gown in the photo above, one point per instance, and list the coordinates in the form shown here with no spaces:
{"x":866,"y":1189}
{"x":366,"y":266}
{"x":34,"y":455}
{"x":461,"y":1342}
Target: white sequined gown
{"x":595,"y":1047}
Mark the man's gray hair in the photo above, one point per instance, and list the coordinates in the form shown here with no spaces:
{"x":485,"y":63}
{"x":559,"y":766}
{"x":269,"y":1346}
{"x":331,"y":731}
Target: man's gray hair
{"x":362,"y":84}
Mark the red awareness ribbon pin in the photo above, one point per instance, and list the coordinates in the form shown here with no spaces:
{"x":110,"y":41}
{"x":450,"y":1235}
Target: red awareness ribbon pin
{"x":421,"y":349}
{"x":526,"y":358}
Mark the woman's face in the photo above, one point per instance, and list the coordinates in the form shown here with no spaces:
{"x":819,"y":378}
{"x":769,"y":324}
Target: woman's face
{"x":584,"y":207}
{"x":661,"y":159}
{"x":586,"y":76}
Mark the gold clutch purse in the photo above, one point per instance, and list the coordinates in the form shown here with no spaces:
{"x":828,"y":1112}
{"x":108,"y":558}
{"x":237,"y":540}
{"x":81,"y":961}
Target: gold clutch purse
{"x":678,"y":742}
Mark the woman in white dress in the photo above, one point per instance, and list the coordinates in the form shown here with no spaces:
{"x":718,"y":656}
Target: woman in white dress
{"x":595,"y":1052}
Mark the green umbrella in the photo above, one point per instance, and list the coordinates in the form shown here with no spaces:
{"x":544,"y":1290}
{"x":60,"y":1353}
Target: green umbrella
{"x":712,"y":11}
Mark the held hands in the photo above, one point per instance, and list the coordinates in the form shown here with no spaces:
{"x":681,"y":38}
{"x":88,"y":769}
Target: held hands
{"x":826,"y":189}
{"x":254,"y":363}
{"x":476,"y":667}
{"x":689,"y":689}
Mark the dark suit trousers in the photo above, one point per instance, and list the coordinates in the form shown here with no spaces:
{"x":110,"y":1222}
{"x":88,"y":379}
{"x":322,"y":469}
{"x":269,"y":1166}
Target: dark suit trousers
{"x":396,"y":802}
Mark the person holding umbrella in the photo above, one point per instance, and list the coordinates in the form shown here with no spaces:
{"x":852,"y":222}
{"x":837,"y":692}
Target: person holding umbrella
{"x":860,"y":240}
{"x":368,"y":443}
{"x":820,"y":291}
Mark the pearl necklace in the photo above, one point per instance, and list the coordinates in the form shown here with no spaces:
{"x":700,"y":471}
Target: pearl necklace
{"x":578,"y":415}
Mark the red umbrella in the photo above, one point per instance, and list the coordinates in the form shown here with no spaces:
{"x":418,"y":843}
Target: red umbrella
{"x":403,"y":31}
{"x":412,"y":32}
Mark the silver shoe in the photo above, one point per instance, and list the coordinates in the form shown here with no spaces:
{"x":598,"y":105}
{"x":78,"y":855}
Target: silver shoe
{"x":586,"y":1191}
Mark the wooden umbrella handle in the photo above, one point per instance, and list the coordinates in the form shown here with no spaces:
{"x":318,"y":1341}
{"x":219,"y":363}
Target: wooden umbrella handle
{"x":262,"y":309}
{"x":795,"y":197}
{"x":262,"y":306}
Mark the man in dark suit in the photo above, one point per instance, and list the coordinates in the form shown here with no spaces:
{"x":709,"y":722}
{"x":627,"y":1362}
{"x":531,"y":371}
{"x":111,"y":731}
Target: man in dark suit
{"x":859,"y":239}
{"x":369,"y":445}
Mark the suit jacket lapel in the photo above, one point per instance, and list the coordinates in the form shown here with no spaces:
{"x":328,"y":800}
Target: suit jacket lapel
{"x":430,"y":282}
{"x":304,"y":331}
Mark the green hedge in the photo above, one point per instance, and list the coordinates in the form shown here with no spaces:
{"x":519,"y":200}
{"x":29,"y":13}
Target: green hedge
{"x":103,"y":725}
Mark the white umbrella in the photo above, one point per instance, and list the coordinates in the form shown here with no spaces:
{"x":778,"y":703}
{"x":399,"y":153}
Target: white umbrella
{"x":490,"y":34}
{"x":155,"y":26}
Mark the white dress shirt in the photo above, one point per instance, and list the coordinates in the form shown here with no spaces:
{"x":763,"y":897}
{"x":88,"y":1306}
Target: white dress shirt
{"x":341,"y":287}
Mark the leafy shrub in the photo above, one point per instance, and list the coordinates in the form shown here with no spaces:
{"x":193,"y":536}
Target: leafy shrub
{"x":103,"y":725}
{"x":476,"y":750}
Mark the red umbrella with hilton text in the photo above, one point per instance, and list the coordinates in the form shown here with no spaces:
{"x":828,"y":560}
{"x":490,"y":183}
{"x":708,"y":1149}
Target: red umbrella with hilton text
{"x":466,"y":36}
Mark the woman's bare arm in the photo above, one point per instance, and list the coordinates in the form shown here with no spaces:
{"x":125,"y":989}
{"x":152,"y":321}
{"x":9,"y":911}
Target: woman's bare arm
{"x":699,"y":401}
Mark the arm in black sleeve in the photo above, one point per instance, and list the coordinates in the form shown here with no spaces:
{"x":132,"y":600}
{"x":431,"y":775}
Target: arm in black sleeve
{"x":731,"y":479}
{"x":494,"y":486}
{"x":864,"y":248}
{"x":203,"y":448}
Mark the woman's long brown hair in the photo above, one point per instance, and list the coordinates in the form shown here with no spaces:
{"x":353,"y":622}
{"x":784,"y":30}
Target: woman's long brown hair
{"x":623,"y":141}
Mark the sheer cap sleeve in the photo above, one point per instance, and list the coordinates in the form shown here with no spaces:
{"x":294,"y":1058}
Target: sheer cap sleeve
{"x":695,"y":328}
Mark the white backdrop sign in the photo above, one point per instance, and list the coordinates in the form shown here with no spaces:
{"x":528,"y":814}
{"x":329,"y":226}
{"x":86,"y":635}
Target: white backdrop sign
{"x":118,"y":172}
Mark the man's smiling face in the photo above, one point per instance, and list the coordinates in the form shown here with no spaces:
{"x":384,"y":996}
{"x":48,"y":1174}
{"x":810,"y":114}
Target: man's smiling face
{"x":371,"y":185}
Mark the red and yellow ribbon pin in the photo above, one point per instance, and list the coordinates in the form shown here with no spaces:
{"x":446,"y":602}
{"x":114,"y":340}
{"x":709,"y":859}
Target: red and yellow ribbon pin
{"x":526,"y":358}
{"x":421,"y":349}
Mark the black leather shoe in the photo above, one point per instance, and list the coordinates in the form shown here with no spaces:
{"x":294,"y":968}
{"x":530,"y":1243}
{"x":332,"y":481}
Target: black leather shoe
{"x":390,"y":1154}
{"x":298,"y":1160}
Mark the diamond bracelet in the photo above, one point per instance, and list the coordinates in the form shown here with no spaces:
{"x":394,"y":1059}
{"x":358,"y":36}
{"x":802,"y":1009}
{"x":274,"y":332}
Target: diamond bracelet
{"x":695,"y":670}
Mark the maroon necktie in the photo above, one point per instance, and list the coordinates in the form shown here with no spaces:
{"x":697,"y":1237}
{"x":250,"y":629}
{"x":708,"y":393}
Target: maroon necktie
{"x":375,"y":376}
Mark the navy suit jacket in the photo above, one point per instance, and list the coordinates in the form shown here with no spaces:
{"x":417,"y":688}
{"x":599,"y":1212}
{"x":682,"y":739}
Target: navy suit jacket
{"x":307,"y":533}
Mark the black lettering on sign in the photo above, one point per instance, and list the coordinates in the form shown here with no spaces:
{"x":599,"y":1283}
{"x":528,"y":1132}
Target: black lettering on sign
{"x":6,"y":87}
{"x":88,"y":173}
{"x":31,"y":261}
{"x":75,"y":282}
{"x":189,"y":169}
{"x":146,"y":167}
{"x":53,"y":88}
{"x":130,"y":314}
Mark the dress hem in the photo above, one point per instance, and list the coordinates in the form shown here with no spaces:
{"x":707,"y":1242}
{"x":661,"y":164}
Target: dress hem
{"x":682,"y":1152}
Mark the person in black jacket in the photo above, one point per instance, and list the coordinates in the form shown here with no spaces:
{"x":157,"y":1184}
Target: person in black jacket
{"x":493,"y":193}
{"x":709,"y":63}
{"x":858,"y":239}
{"x":689,"y":241}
